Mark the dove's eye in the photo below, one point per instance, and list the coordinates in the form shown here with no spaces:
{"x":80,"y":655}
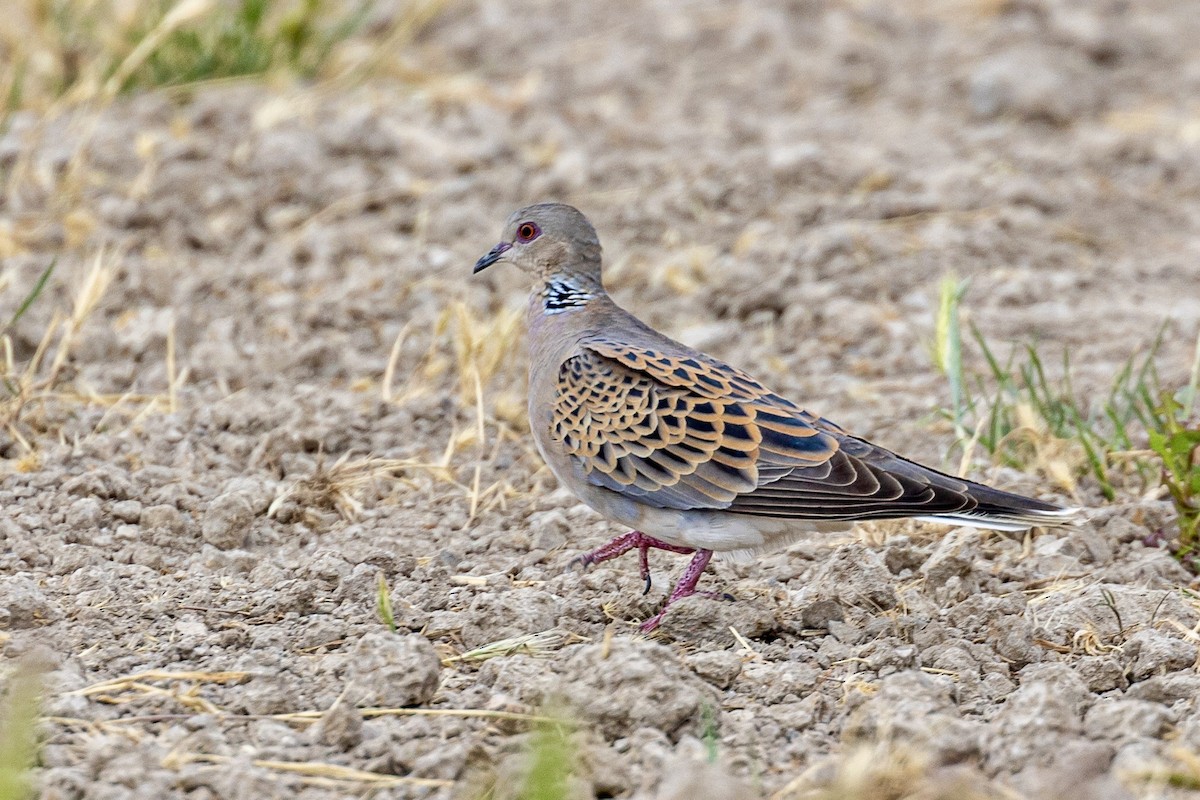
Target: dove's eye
{"x":527,"y":232}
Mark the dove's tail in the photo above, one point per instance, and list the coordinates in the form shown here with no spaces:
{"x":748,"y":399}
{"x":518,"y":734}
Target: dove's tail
{"x":1004,"y":511}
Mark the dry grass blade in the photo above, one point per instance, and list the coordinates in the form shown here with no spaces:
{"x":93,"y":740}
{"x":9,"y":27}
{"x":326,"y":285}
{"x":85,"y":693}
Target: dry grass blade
{"x":1190,"y":634}
{"x":308,"y":717}
{"x":478,"y":713}
{"x":389,"y":372}
{"x":338,"y":487}
{"x":482,"y":434}
{"x":747,"y":649}
{"x":175,"y":378}
{"x":30,"y":381}
{"x":129,"y":688}
{"x":457,"y":713}
{"x":188,"y":698}
{"x":314,"y":773}
{"x":1091,"y":643}
{"x":533,"y":644}
{"x":480,"y":349}
{"x":1058,"y":589}
{"x":125,"y":682}
{"x":95,"y":282}
{"x":482,"y":346}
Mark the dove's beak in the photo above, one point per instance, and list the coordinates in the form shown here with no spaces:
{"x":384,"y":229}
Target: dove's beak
{"x":492,"y":257}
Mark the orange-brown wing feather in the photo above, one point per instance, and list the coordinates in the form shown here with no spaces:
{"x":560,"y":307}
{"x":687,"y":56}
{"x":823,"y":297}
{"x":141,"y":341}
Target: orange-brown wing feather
{"x":679,"y":431}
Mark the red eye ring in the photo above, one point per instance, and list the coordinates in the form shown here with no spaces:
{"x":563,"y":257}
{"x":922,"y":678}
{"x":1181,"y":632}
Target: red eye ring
{"x":528,"y":231}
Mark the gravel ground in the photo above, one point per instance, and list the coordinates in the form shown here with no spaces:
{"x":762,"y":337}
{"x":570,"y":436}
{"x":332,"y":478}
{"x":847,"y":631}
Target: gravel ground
{"x":273,"y":406}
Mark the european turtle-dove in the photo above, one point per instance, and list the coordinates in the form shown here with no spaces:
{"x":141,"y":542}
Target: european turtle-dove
{"x":691,"y":453}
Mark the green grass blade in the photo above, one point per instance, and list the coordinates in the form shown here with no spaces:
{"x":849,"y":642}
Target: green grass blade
{"x":383,"y":603}
{"x":1190,"y":399}
{"x":1043,"y":399}
{"x":1097,"y":455}
{"x":1002,"y":375}
{"x":18,"y":733}
{"x":16,"y":92}
{"x":1120,"y":436}
{"x":33,"y":295}
{"x":551,"y":763}
{"x":710,"y":733}
{"x":999,"y":422}
{"x":948,"y":350}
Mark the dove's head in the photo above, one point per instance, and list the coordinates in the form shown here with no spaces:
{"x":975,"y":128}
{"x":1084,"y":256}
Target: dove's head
{"x":548,"y":240}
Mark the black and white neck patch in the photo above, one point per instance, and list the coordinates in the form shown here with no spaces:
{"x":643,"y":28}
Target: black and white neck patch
{"x":562,"y":295}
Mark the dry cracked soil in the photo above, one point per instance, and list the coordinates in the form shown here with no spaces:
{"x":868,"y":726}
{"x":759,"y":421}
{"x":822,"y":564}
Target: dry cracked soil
{"x":288,"y":389}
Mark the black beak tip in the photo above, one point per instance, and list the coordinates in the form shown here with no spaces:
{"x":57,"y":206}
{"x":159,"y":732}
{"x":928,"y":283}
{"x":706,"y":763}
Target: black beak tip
{"x":491,"y":258}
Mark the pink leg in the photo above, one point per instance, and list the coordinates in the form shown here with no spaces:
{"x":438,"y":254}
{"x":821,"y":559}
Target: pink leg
{"x":623,"y":544}
{"x":686,"y":587}
{"x":644,"y":566}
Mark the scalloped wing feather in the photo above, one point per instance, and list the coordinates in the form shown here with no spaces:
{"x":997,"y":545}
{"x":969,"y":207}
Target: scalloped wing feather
{"x":678,"y":431}
{"x":685,"y":431}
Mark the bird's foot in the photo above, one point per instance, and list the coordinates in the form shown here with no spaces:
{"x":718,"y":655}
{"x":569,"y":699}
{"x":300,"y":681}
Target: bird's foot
{"x":623,"y":544}
{"x":686,"y":587}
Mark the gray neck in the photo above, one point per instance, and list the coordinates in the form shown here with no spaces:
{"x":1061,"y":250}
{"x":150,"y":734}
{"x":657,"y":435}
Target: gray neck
{"x":566,"y":293}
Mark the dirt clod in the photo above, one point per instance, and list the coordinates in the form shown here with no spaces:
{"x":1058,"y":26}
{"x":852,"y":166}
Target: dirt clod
{"x":391,"y":671}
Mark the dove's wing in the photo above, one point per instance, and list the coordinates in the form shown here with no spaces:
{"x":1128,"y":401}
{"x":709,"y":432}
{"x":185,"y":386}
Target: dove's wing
{"x":677,"y":432}
{"x":685,"y":431}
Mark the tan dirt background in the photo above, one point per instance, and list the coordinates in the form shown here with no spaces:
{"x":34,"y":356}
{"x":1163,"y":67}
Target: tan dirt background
{"x":274,"y":403}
